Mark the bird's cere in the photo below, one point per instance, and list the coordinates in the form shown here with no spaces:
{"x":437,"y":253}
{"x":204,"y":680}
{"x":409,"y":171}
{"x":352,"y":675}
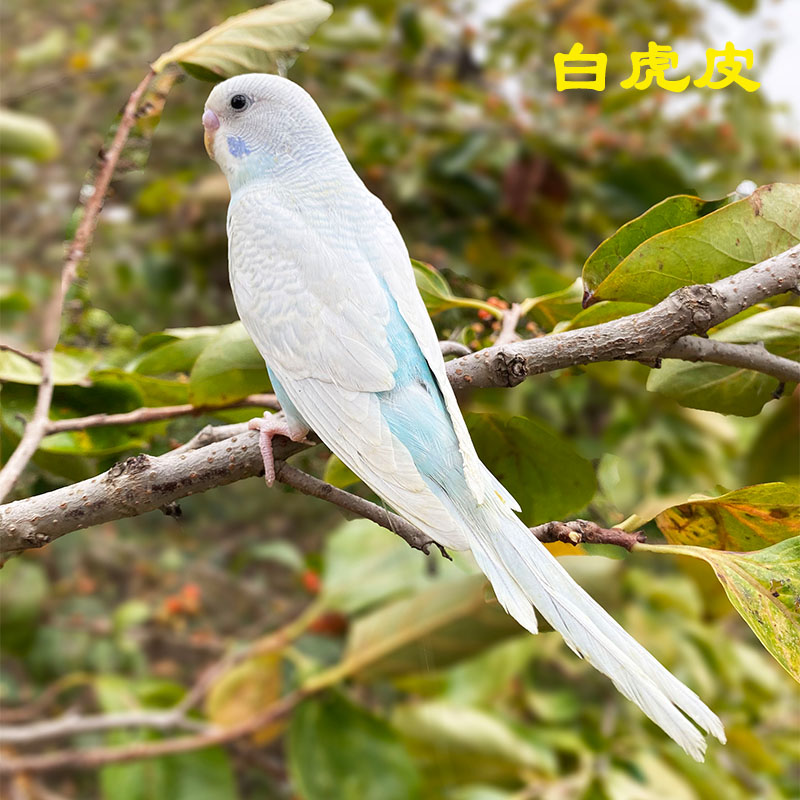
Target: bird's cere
{"x":210,"y":120}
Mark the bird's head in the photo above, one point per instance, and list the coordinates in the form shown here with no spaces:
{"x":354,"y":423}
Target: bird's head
{"x":259,"y":126}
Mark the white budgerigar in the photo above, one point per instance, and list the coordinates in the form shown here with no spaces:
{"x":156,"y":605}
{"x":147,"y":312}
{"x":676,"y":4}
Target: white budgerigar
{"x":323,"y":283}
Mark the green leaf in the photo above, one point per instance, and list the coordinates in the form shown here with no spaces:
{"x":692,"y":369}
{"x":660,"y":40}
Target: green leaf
{"x":471,"y":733}
{"x":444,"y":623}
{"x":70,"y":366}
{"x":745,"y":519}
{"x":452,"y":619}
{"x":540,"y":468}
{"x":763,"y":587}
{"x":248,"y":42}
{"x":437,"y":295}
{"x":366,"y":565}
{"x":200,"y":775}
{"x":280,"y":552}
{"x":338,"y":750}
{"x":774,"y":455}
{"x":732,"y":390}
{"x":23,"y":593}
{"x":178,"y":355}
{"x":228,"y":369}
{"x":339,"y":474}
{"x":549,"y":309}
{"x":153,"y":391}
{"x":24,"y":135}
{"x":719,"y":244}
{"x":667,"y":214}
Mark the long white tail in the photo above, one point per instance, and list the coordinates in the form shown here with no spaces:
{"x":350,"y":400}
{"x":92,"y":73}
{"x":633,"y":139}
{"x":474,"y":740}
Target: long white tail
{"x":524,"y":574}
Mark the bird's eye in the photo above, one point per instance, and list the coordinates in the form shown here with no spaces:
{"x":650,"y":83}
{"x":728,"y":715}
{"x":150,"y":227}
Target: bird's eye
{"x":239,"y":102}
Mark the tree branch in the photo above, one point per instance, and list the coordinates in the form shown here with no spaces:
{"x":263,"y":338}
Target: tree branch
{"x":508,"y":328}
{"x":145,"y":483}
{"x":647,"y":336}
{"x":36,"y":428}
{"x":744,"y":356}
{"x":308,"y":484}
{"x":34,"y":358}
{"x":98,"y":757}
{"x":156,"y":414}
{"x":73,"y":725}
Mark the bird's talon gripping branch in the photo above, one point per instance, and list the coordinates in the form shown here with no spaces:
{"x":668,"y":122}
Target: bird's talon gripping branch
{"x":268,"y":427}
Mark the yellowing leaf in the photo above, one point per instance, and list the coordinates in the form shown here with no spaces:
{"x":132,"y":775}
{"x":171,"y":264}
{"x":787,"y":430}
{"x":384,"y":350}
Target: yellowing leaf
{"x":339,"y":474}
{"x":245,"y":690}
{"x":764,"y":587}
{"x":248,"y":42}
{"x":745,"y":519}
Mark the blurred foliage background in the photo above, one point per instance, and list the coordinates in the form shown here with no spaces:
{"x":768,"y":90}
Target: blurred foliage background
{"x":504,"y":185}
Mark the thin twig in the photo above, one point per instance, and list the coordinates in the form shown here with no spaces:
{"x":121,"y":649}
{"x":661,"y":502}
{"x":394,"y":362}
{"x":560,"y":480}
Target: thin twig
{"x":98,"y":757}
{"x":308,"y":484}
{"x":581,"y":531}
{"x":34,"y":358}
{"x":36,"y":428}
{"x":508,"y":327}
{"x":74,"y":725}
{"x":156,"y":414}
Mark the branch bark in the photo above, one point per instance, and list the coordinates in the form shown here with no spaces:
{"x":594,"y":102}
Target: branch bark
{"x":647,"y":336}
{"x":36,"y":428}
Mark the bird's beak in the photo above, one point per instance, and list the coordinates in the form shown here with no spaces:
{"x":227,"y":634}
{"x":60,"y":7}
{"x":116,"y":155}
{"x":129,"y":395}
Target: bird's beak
{"x":210,"y":125}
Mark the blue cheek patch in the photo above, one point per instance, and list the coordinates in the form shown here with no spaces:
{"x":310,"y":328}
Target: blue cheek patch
{"x":237,"y":147}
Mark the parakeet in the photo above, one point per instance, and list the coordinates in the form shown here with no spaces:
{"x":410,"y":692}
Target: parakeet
{"x":323,"y":283}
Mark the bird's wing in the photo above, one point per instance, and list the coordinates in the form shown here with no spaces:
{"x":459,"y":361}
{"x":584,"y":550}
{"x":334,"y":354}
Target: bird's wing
{"x":388,"y":255}
{"x":318,"y":312}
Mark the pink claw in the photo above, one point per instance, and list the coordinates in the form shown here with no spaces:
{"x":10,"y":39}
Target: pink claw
{"x":269,"y":427}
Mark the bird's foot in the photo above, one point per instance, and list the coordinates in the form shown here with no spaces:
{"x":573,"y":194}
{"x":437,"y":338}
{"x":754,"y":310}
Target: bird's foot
{"x":269,"y":426}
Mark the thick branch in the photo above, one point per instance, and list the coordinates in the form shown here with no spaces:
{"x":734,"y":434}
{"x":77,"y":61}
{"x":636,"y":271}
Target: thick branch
{"x":744,"y":356}
{"x":141,"y":483}
{"x":647,"y":336}
{"x":144,"y":483}
{"x":36,"y":428}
